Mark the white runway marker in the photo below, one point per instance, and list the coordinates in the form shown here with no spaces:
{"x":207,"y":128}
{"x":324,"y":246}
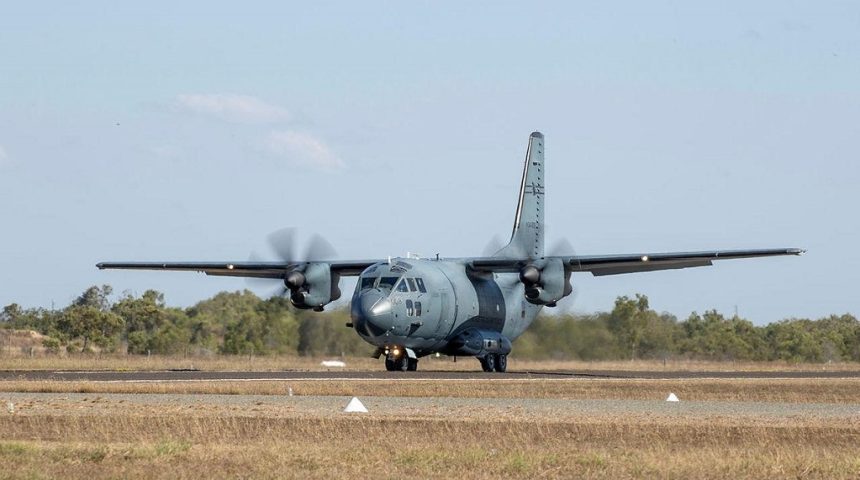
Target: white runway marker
{"x":672,"y":398}
{"x":355,"y":406}
{"x":333,"y":363}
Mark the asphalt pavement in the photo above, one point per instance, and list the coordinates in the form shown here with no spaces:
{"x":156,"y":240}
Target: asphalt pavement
{"x":199,"y":375}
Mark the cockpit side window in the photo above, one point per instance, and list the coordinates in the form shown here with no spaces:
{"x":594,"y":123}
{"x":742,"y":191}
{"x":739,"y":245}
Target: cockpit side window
{"x":387,"y":282}
{"x":420,"y":282}
{"x":411,"y":284}
{"x":402,"y":287}
{"x":367,"y":282}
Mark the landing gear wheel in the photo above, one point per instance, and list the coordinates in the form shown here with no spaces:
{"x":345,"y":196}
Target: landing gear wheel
{"x":390,"y":364}
{"x":412,"y":364}
{"x":402,"y":363}
{"x":502,"y":363}
{"x":488,"y":363}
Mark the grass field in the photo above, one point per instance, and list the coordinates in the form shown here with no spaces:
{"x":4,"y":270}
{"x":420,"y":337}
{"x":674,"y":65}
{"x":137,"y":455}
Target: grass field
{"x":248,"y":447}
{"x":477,"y":428}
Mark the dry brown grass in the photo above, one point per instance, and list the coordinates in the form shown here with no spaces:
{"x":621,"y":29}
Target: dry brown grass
{"x":98,"y":436}
{"x":368,"y":447}
{"x":112,"y":436}
{"x":837,"y":390}
{"x":94,"y":362}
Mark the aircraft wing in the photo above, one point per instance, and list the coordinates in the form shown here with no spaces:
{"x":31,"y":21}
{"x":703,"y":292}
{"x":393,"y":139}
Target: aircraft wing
{"x":239,"y":269}
{"x":600,"y":265}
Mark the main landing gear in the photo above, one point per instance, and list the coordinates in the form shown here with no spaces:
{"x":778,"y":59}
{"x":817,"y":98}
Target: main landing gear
{"x":493,"y":362}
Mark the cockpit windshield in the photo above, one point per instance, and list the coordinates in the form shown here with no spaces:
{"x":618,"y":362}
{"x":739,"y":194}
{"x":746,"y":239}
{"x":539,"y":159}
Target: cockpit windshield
{"x":393,"y":284}
{"x":387,"y":282}
{"x":367,"y":282}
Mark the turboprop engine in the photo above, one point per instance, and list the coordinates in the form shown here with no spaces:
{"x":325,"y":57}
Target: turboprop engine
{"x":546,"y":282}
{"x":312,"y":286}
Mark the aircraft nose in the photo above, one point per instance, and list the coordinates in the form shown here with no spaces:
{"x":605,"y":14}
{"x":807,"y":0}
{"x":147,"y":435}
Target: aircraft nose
{"x":371,"y":313}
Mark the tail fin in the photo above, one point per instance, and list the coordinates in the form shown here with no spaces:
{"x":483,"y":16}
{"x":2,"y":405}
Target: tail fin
{"x":527,"y":237}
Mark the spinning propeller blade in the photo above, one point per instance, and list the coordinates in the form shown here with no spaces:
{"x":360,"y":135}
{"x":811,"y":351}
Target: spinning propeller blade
{"x":283,"y":245}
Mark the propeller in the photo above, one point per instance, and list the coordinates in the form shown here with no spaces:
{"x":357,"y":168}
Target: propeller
{"x":319,"y":249}
{"x":492,"y":246}
{"x":282,"y":243}
{"x":561,"y":248}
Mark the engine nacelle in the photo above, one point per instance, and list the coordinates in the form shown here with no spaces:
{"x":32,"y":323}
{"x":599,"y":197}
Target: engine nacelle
{"x":546,"y":282}
{"x":313,"y":286}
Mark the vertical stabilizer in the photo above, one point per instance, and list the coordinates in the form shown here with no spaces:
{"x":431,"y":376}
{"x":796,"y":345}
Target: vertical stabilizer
{"x":527,"y":237}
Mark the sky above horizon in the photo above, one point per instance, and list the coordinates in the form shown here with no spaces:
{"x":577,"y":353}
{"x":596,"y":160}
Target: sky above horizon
{"x":190,"y":130}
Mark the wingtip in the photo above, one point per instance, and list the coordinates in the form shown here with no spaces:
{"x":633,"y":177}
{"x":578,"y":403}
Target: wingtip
{"x":797,"y":251}
{"x":100,"y":266}
{"x":536,"y":134}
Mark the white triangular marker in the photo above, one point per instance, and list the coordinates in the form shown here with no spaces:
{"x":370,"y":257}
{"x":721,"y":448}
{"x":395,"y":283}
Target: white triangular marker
{"x":355,"y":406}
{"x":672,"y":398}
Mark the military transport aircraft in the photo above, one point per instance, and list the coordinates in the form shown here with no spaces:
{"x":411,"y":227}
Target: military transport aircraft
{"x":412,"y":307}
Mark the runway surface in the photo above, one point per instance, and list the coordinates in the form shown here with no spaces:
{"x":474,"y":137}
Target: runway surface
{"x":195,"y":375}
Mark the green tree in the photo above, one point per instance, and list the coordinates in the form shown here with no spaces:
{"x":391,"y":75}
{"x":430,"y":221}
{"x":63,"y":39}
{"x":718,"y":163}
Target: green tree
{"x":171,"y":338}
{"x":628,"y":321}
{"x":715,"y":337}
{"x":143,"y":318}
{"x":281,"y":326}
{"x":840,"y":337}
{"x":660,"y":336}
{"x":11,"y":314}
{"x":793,"y":340}
{"x":95,"y":297}
{"x":326,"y":334}
{"x":244,"y":335}
{"x":92,"y":325}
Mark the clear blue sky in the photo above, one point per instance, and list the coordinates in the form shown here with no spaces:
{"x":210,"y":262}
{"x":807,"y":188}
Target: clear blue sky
{"x":168,"y":131}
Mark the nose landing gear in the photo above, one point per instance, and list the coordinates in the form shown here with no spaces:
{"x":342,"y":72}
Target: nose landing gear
{"x":397,"y":364}
{"x":398,"y":360}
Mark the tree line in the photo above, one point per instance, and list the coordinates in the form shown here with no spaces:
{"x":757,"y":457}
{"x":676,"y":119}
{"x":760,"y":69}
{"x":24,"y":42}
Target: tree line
{"x":632,"y":330}
{"x":238,"y":323}
{"x":241,"y":323}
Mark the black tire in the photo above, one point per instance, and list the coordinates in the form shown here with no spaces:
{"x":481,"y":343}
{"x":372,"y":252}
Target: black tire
{"x":402,"y":363}
{"x":413,"y":365}
{"x":502,"y":363}
{"x":488,"y":363}
{"x":390,"y":365}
